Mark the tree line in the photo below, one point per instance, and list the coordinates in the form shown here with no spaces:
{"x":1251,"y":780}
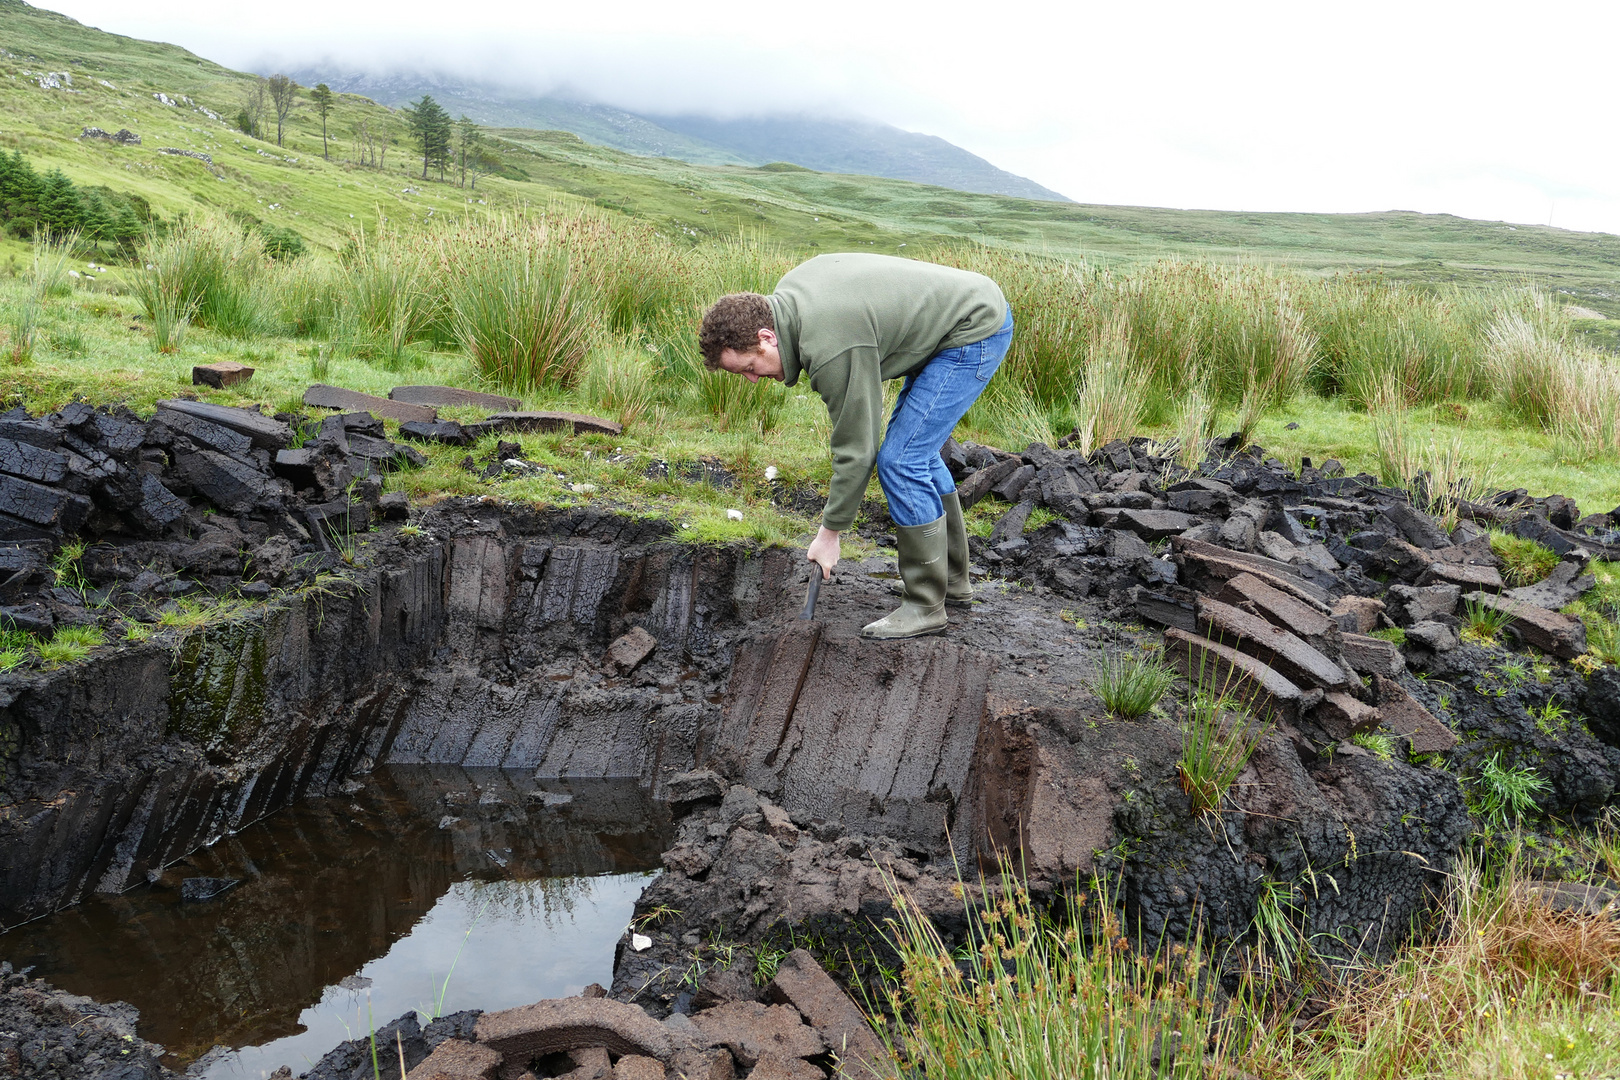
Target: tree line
{"x":32,"y":204}
{"x":456,"y":147}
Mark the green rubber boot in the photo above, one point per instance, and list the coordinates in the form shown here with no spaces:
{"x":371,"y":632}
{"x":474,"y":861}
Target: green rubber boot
{"x":924,"y":568}
{"x":958,"y":590}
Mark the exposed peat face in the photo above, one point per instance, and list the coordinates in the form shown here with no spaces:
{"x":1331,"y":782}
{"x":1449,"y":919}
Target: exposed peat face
{"x":804,"y":772}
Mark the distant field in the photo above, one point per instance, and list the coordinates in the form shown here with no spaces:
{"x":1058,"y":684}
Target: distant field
{"x":802,"y":210}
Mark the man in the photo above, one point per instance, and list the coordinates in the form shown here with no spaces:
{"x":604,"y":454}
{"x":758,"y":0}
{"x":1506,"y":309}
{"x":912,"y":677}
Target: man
{"x":850,"y":322}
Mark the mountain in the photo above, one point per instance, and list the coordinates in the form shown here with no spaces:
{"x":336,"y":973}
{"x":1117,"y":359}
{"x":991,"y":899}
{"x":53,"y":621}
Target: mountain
{"x":824,"y":145}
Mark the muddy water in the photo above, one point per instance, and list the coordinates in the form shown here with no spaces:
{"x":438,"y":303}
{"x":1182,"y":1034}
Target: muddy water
{"x":352,"y":911}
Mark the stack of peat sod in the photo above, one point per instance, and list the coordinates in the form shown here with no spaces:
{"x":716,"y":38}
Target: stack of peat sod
{"x":1269,"y":581}
{"x":800,"y":1026}
{"x":199,"y":498}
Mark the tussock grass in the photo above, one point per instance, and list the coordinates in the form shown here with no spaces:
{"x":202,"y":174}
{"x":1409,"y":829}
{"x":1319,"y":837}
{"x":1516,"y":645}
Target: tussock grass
{"x":1113,"y":388}
{"x":1218,"y":736}
{"x":67,"y":644}
{"x":48,"y":276}
{"x":522,"y":316}
{"x":1130,"y":684}
{"x":210,"y":270}
{"x":1508,"y":988}
{"x":1525,"y":562}
{"x":1482,"y":623}
{"x":1033,"y":996}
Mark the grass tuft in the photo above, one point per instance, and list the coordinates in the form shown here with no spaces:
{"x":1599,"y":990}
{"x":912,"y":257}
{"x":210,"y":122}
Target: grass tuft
{"x":1482,"y":623}
{"x":1218,"y":737}
{"x":1029,"y":995}
{"x":1505,"y":795}
{"x":69,"y":643}
{"x":1525,"y":562}
{"x":1129,"y":684}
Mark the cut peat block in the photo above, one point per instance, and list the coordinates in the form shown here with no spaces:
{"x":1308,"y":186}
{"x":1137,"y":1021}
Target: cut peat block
{"x":1549,"y":631}
{"x":220,"y":374}
{"x":578,"y":423}
{"x":1224,"y":671}
{"x":321,"y":396}
{"x":444,"y":396}
{"x":266,"y":432}
{"x":1271,"y":645}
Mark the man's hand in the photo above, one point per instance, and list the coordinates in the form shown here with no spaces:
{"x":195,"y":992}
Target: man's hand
{"x":824,"y":552}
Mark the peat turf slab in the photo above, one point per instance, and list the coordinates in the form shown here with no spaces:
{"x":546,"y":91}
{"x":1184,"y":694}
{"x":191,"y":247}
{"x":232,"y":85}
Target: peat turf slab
{"x":442,"y":396}
{"x":321,"y":396}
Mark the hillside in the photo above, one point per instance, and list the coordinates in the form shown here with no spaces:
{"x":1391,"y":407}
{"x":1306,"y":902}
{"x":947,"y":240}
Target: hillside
{"x":841,"y":146}
{"x":112,"y":82}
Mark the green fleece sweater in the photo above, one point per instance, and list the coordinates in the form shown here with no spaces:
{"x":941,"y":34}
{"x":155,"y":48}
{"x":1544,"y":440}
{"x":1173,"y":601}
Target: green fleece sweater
{"x":851,"y":321}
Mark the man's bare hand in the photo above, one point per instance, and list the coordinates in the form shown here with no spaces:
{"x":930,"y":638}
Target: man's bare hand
{"x":824,"y":552}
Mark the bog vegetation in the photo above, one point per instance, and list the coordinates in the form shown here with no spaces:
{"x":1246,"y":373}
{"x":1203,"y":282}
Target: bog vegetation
{"x":599,"y":309}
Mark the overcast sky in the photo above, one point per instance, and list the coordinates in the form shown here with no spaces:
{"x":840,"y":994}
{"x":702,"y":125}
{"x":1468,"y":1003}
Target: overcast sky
{"x":1487,"y":110}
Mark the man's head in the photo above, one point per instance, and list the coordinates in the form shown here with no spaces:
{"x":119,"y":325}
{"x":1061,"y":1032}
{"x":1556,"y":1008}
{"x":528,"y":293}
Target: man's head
{"x":739,"y":335}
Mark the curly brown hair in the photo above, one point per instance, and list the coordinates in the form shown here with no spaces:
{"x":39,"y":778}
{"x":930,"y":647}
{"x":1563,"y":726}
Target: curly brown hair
{"x":734,"y":322}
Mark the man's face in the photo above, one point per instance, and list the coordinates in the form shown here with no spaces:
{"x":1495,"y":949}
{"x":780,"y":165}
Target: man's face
{"x":761,"y":362}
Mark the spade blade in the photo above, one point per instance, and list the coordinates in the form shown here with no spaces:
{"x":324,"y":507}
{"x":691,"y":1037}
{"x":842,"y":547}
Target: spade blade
{"x":809,"y":611}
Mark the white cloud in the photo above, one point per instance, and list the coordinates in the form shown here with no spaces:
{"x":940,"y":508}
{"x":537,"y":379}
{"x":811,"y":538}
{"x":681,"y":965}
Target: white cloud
{"x":1480,"y":109}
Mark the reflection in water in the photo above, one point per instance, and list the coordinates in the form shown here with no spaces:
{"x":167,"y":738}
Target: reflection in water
{"x":384,"y":884}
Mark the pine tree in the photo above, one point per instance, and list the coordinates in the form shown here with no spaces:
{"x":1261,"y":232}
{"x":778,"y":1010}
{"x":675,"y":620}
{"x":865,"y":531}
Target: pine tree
{"x":323,"y":99}
{"x":19,"y":193}
{"x":96,"y":217}
{"x":430,"y":127}
{"x":59,"y":208}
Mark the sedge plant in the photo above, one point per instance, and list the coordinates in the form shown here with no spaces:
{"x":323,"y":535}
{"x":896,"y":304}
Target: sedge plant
{"x":1041,"y":995}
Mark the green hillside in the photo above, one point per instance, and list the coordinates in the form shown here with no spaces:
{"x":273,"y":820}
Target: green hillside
{"x":115,"y":80}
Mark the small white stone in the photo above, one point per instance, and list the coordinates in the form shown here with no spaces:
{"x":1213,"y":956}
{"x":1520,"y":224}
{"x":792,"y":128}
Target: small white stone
{"x":734,"y":515}
{"x":640,"y":942}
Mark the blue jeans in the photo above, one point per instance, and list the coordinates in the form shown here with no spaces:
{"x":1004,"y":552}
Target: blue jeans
{"x":930,"y":405}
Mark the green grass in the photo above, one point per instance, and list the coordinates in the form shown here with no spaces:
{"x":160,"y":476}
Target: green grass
{"x":67,"y":644}
{"x":1218,"y":735}
{"x":291,"y":187}
{"x":1524,"y":561}
{"x":1130,"y":684}
{"x":1377,"y":743}
{"x":1026,"y":995}
{"x":1505,"y":795}
{"x":1482,"y":623}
